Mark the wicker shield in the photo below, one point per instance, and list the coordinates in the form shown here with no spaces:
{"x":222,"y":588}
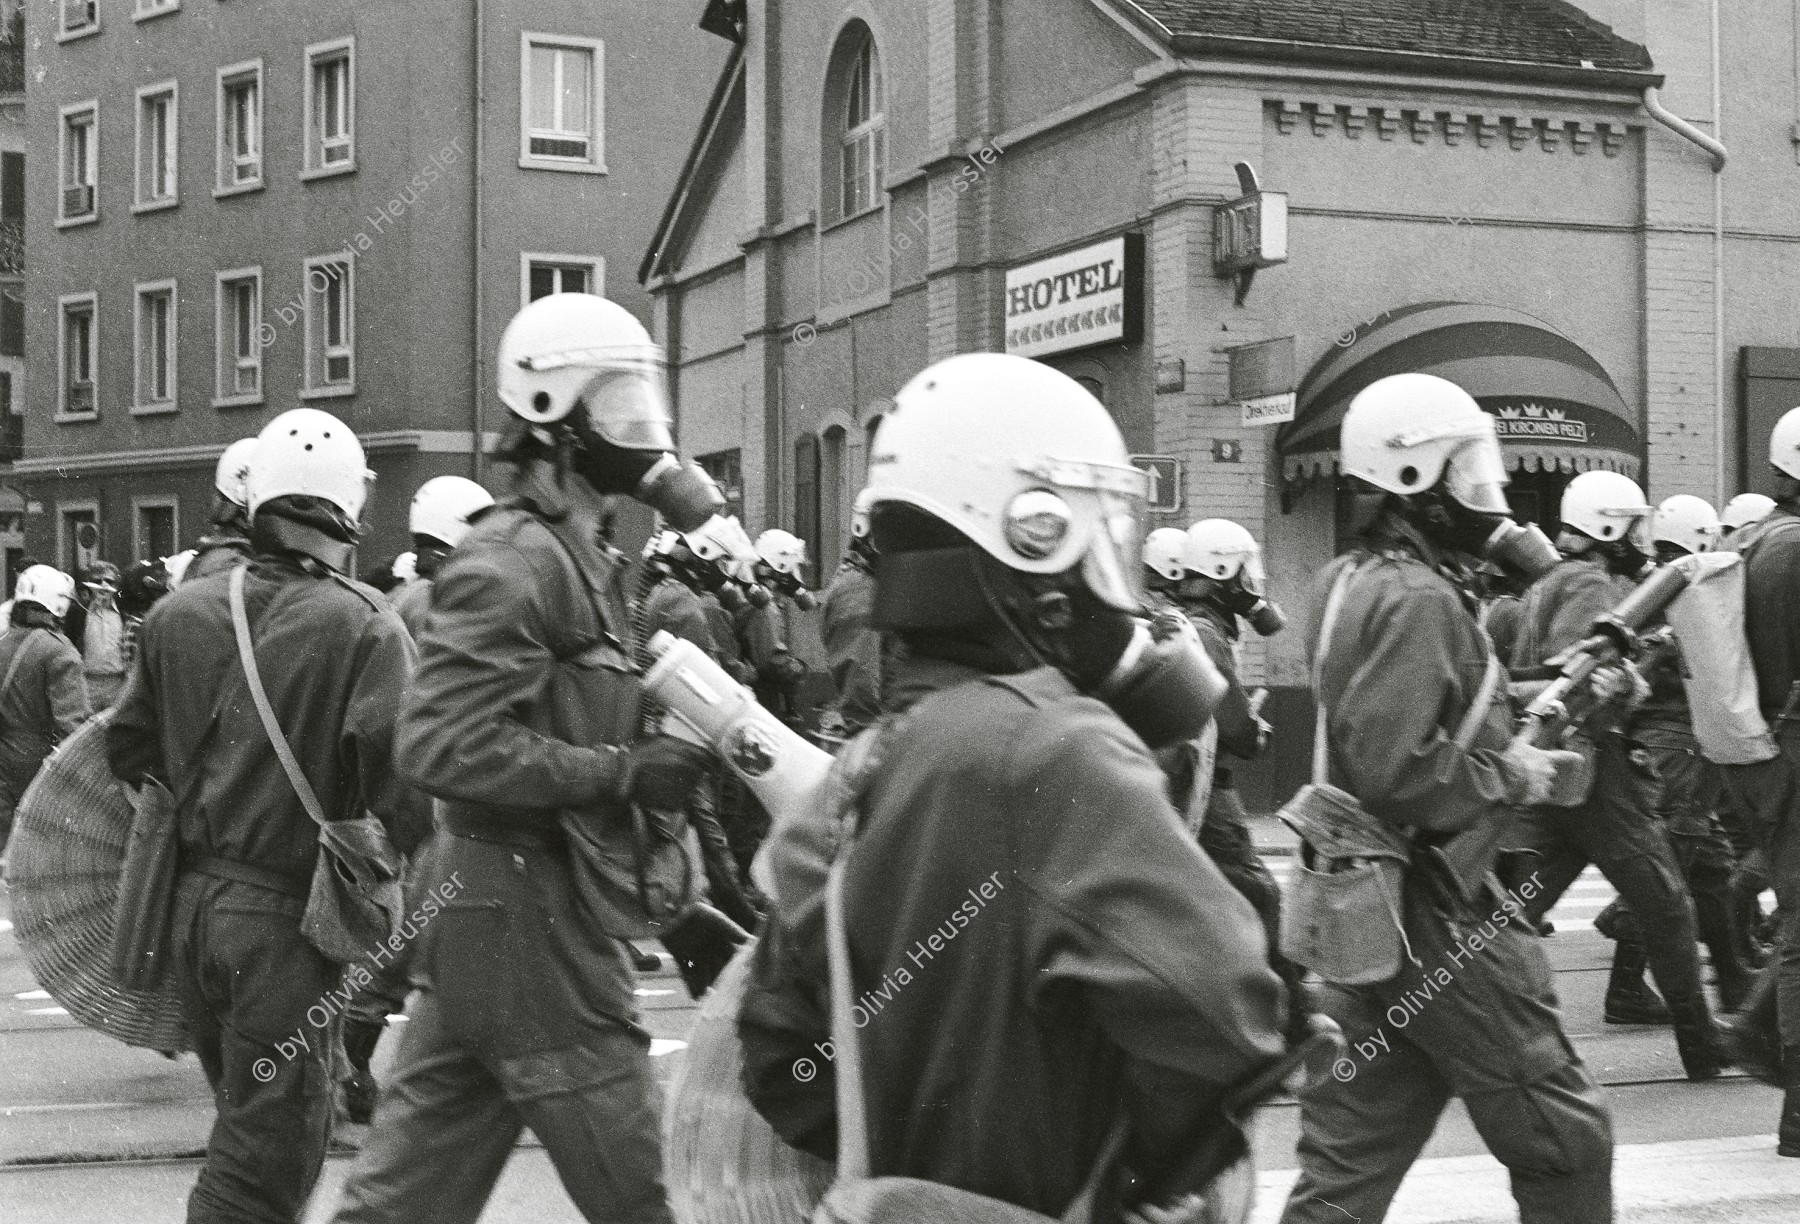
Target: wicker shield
{"x":68,"y":847}
{"x":722,"y":1162}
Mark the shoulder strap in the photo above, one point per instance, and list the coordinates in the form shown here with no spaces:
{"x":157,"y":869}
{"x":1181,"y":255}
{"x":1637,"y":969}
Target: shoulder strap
{"x":1334,"y":604}
{"x":240,"y":621}
{"x":18,"y":657}
{"x":1484,"y":697}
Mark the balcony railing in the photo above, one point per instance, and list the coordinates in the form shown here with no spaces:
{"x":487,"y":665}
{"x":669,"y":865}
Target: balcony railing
{"x":12,"y":247}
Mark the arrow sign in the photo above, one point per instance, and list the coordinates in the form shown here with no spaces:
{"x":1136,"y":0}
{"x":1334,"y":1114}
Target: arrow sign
{"x":1165,"y":481}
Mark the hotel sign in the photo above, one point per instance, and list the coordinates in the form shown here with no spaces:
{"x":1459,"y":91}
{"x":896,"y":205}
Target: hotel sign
{"x":1092,"y":295}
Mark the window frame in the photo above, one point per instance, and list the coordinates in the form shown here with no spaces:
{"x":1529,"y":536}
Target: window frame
{"x":224,"y":154}
{"x":90,"y":299}
{"x":314,"y":164}
{"x":145,"y":10}
{"x":140,"y":293}
{"x":66,"y":545}
{"x":225,"y":339}
{"x":595,"y":161}
{"x":67,"y":33}
{"x":90,"y":108}
{"x":171,"y":140}
{"x":845,"y":65}
{"x":154,"y":501}
{"x":595,"y":265}
{"x":313,"y":387}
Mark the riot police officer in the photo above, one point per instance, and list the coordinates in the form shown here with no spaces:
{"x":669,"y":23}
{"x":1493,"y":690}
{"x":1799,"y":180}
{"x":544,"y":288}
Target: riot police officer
{"x":438,"y":519}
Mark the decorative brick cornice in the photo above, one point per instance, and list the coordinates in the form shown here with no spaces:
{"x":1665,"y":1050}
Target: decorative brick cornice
{"x":1422,"y":126}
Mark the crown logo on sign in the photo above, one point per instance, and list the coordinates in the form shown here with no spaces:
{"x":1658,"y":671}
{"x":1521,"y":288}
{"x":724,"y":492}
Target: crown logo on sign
{"x":1508,"y":413}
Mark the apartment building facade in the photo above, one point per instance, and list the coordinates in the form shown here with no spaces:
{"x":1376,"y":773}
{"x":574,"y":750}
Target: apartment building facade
{"x":244,"y":207}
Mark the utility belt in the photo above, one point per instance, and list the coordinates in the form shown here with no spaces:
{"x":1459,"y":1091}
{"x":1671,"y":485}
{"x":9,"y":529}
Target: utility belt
{"x":537,"y":831}
{"x":298,"y":885}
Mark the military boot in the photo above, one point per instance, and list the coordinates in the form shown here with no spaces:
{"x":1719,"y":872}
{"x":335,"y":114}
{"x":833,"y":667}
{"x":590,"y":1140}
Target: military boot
{"x":1787,"y":1138}
{"x":1629,"y":998}
{"x":1703,"y":1054}
{"x":1752,"y":1038}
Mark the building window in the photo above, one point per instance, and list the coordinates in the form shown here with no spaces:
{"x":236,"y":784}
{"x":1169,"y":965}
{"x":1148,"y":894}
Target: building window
{"x":806,"y":494}
{"x":330,"y":326}
{"x":726,"y":467}
{"x":157,"y":141}
{"x":80,"y":163}
{"x":155,"y":527}
{"x":79,"y":17}
{"x":861,"y":125}
{"x":240,"y":128}
{"x":561,"y":94}
{"x":154,"y":359}
{"x":153,"y":8}
{"x":77,"y":358}
{"x":331,"y":107}
{"x":77,"y":535}
{"x":239,"y":338}
{"x":541,"y":275}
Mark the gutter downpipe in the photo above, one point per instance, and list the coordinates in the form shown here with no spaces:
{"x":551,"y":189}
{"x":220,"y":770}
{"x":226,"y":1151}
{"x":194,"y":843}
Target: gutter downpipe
{"x":1719,"y":154}
{"x":477,"y":423}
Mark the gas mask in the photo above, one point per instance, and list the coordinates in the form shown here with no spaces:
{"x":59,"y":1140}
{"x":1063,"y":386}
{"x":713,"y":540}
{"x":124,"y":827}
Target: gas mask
{"x":1242,"y":595}
{"x":621,"y":445}
{"x":789,"y":585}
{"x":1520,"y":548}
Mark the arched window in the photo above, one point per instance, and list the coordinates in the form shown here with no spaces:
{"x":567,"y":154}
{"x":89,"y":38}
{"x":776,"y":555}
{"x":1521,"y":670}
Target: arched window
{"x":855,"y":123}
{"x":806,"y":492}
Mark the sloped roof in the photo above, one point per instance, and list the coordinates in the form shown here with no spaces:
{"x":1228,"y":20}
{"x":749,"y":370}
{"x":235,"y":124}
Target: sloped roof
{"x":1546,"y":33}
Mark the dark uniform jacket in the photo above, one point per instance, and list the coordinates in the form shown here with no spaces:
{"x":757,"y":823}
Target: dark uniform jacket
{"x":334,"y":659}
{"x":217,"y":555}
{"x":1771,"y":552}
{"x":1405,"y":662}
{"x":1039,"y":942}
{"x":523,"y":690}
{"x":413,"y":603}
{"x":1218,"y":630}
{"x":852,"y":649}
{"x":673,"y":607}
{"x":43,"y":706}
{"x":1560,"y":609}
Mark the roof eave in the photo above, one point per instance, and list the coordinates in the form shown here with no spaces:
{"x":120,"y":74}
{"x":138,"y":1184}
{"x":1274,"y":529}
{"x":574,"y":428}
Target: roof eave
{"x":709,"y":125}
{"x":1413,"y":62}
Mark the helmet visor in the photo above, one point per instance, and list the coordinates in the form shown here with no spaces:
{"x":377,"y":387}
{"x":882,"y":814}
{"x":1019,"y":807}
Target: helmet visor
{"x":628,"y":407}
{"x":1475,"y":474}
{"x":1250,"y":574}
{"x":1112,"y":567}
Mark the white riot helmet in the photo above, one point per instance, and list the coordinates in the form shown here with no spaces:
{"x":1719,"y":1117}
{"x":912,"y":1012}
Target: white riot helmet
{"x":1607,"y":506}
{"x":782,"y":551}
{"x":570,"y":348}
{"x":1686,"y":521}
{"x":234,"y":466}
{"x":442,"y":506}
{"x":405,"y":567}
{"x":1784,"y":444}
{"x":306,"y":452}
{"x":46,"y":586}
{"x":1164,"y":549}
{"x":1406,"y":432}
{"x":1222,"y":550}
{"x":1016,"y":456}
{"x":661,"y":543}
{"x":176,"y":567}
{"x":1744,"y":509}
{"x":859,"y":515}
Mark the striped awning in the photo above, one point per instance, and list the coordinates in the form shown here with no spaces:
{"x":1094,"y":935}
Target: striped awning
{"x":1555,"y":406}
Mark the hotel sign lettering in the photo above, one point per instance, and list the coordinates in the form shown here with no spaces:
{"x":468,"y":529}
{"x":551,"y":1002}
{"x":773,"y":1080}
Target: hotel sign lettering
{"x":1075,"y":300}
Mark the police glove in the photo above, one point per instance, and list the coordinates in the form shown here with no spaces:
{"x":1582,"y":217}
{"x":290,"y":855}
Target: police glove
{"x":1535,"y":776}
{"x":1622,"y":684}
{"x":703,"y":941}
{"x":661,"y":772}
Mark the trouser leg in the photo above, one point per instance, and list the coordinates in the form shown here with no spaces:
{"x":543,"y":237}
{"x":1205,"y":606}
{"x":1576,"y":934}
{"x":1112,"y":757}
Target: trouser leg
{"x":1225,"y":836}
{"x":1559,"y":859}
{"x":594,"y":1107}
{"x":441,"y":1136}
{"x":1479,"y":1012}
{"x":249,"y":978}
{"x":1364,"y":1120}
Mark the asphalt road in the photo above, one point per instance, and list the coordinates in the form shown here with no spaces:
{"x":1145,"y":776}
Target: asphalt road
{"x":92,"y":1131}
